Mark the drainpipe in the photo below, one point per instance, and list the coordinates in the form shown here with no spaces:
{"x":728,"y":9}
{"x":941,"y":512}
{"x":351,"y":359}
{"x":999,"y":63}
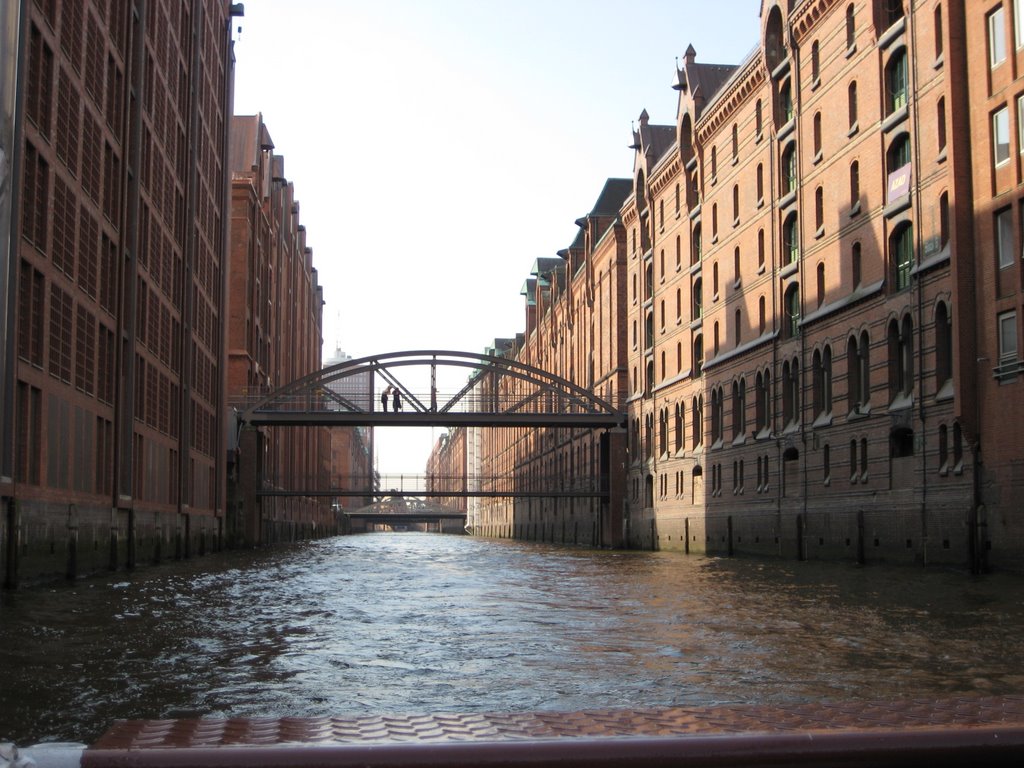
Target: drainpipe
{"x":919,"y":332}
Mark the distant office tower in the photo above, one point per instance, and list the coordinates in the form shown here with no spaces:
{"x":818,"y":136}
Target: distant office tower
{"x":113,"y":399}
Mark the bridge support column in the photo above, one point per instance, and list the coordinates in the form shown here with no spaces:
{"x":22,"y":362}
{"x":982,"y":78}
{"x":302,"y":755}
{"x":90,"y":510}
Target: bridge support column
{"x":613,"y":485}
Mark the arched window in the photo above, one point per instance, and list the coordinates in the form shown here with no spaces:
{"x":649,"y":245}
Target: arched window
{"x":788,"y":179}
{"x":739,"y":407}
{"x":695,"y":252}
{"x":901,"y":358}
{"x":791,"y":239}
{"x":785,"y":103}
{"x":854,"y":184}
{"x":763,"y":400}
{"x":819,"y":211}
{"x":790,"y":392}
{"x":855,"y":265}
{"x":820,"y":280}
{"x":851,"y":97}
{"x":774,"y":41}
{"x":714,"y":164}
{"x":815,"y":64}
{"x":901,"y":255}
{"x":816,"y":134}
{"x":698,"y":355}
{"x":738,"y":327}
{"x":792,"y":306}
{"x":851,"y":28}
{"x":697,"y":421}
{"x":940,"y":123}
{"x":762,"y":318}
{"x":760,"y":249}
{"x":896,"y":82}
{"x":735,"y":143}
{"x":822,"y":376}
{"x":698,"y":299}
{"x":758,"y":120}
{"x":943,"y":346}
{"x":735,"y":204}
{"x":680,"y":423}
{"x":760,"y":183}
{"x":898,"y":154}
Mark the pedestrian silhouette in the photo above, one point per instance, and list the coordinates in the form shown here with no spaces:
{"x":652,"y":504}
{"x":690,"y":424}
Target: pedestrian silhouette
{"x":396,"y":403}
{"x":384,"y":399}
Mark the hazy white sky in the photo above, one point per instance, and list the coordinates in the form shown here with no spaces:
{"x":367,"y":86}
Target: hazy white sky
{"x":439,"y":147}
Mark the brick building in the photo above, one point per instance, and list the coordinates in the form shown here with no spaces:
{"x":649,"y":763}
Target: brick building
{"x":819,"y":309}
{"x":113,"y":387}
{"x":274,"y":337}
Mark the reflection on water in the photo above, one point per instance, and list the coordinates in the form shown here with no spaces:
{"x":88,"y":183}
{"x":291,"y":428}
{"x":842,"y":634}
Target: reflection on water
{"x":417,"y":623}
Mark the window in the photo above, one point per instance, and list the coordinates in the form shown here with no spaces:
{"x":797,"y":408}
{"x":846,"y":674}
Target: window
{"x":1007,"y":339}
{"x":735,"y":204}
{"x":1018,"y":23}
{"x":758,"y":119}
{"x":858,"y":384}
{"x":736,"y":266}
{"x":944,"y":219}
{"x":816,"y":130}
{"x":717,"y":419}
{"x":815,"y":64}
{"x":760,"y":249}
{"x":943,"y":346}
{"x":785,"y":103}
{"x":938,"y":30}
{"x":822,"y":380}
{"x":698,"y":299}
{"x":1000,"y":136}
{"x":789,"y":169}
{"x":714,"y":223}
{"x":896,"y":82}
{"x":819,"y":211}
{"x":698,"y":355}
{"x":714,"y":281}
{"x":716,"y":339}
{"x":714,"y":164}
{"x":855,"y":184}
{"x":739,"y":408}
{"x":761,"y":316}
{"x":898,"y":155}
{"x":996,"y":38}
{"x":940,"y":121}
{"x":697,"y":421}
{"x":826,"y":464}
{"x":738,"y":327}
{"x":763,"y":400}
{"x":791,"y":239}
{"x":855,"y":266}
{"x":901,"y":358}
{"x":821,"y":283}
{"x":851,"y":106}
{"x":695,"y":254}
{"x":679,"y":253}
{"x":677,"y":199}
{"x":735,"y":143}
{"x":680,"y":431}
{"x":790,"y":392}
{"x":901,"y":246}
{"x":851,"y":28}
{"x":1004,"y":238}
{"x":31,"y":287}
{"x":892,"y":11}
{"x":792,"y":304}
{"x":760,"y":182}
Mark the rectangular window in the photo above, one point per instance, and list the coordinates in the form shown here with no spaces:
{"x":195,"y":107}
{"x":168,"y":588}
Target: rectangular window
{"x":1007,"y":338}
{"x":1001,"y":136}
{"x":996,"y":38}
{"x":1018,"y":23}
{"x":1004,"y":238}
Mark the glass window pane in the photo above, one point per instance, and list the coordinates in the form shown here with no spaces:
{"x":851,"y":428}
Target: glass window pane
{"x":1007,"y":337}
{"x":996,"y":38}
{"x":1001,"y":136}
{"x":1004,"y":238}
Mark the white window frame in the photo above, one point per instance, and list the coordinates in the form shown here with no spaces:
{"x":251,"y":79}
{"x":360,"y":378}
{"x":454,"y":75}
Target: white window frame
{"x":996,"y":37}
{"x":1000,"y":130}
{"x":1004,"y":238}
{"x":1018,"y":23}
{"x":1007,"y":328}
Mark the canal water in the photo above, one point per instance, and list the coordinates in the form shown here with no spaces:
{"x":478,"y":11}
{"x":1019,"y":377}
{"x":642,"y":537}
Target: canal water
{"x":424,"y":623}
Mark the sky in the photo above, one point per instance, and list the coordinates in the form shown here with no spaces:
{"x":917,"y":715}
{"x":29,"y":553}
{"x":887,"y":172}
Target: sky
{"x":439,"y":147}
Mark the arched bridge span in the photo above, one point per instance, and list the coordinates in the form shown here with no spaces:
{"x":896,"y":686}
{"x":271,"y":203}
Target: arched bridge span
{"x":498,"y":392}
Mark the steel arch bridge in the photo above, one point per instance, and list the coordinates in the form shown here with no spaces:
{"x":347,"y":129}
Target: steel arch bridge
{"x":499,"y":392}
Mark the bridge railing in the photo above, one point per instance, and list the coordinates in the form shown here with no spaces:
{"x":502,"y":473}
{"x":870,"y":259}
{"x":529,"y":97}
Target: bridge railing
{"x":436,"y":483}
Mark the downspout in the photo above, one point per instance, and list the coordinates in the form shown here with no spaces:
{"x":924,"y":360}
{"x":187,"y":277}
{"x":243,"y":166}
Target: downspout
{"x":919,"y":294}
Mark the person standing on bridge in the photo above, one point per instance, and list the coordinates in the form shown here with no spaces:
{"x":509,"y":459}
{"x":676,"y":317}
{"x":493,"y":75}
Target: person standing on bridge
{"x":384,"y":399}
{"x":396,"y":403}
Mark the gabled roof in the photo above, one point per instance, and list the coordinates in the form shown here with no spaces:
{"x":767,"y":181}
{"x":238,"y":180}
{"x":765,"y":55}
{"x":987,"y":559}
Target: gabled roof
{"x":614,"y":194}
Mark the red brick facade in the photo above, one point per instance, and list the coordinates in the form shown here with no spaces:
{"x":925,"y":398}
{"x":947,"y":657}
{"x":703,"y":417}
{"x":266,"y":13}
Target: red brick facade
{"x":113,"y":434}
{"x":274,"y":337}
{"x":817,"y":303}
